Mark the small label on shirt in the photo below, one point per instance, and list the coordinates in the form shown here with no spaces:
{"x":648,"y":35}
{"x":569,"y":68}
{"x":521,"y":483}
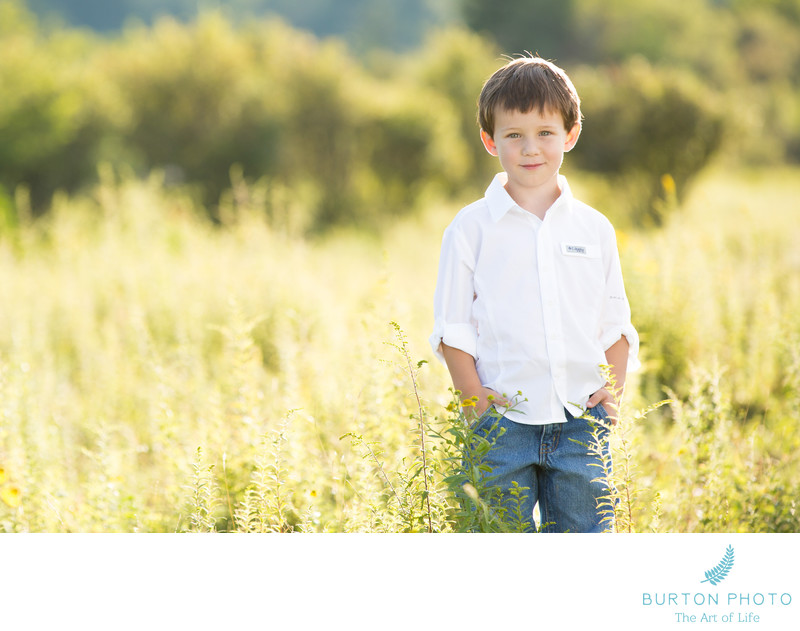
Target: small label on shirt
{"x":572,"y":249}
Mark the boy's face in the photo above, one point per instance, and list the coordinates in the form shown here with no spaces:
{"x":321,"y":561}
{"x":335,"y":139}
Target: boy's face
{"x":530,"y":147}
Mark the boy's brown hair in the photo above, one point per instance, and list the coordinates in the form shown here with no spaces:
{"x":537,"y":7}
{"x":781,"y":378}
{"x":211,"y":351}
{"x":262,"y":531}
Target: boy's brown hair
{"x":525,"y":83}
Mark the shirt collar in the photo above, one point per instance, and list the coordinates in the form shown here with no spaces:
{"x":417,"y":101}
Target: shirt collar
{"x":500,"y":202}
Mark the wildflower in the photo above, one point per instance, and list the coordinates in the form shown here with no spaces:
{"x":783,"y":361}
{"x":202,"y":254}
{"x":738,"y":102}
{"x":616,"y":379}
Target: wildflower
{"x":11,"y":496}
{"x":668,"y":184}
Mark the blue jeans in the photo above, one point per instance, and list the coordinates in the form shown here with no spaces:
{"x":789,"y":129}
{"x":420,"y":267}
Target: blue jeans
{"x":554,"y":463}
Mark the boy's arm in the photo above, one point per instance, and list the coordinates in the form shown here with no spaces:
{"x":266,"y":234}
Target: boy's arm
{"x":465,"y":379}
{"x":617,"y":359}
{"x":618,"y":333}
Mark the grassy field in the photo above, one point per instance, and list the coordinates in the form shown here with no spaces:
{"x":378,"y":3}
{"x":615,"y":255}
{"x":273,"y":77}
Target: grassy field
{"x":158,"y":373}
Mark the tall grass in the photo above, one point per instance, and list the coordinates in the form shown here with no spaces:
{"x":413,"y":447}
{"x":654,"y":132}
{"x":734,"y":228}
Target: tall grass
{"x":158,"y":373}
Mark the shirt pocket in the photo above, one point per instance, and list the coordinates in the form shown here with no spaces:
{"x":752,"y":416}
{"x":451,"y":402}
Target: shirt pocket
{"x":583,"y":272}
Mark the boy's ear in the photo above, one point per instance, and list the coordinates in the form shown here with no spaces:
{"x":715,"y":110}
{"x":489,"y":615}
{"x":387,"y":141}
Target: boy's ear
{"x":572,"y":137}
{"x":488,"y":142}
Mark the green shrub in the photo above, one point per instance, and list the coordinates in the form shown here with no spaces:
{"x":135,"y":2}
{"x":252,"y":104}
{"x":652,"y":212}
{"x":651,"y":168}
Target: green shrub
{"x":453,"y":65}
{"x":51,"y":125}
{"x":651,"y":130}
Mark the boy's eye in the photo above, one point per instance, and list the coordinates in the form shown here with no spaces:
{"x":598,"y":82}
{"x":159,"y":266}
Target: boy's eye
{"x":545,"y":133}
{"x":513,"y":135}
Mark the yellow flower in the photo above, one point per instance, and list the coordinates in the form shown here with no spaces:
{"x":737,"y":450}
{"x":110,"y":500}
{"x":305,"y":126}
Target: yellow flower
{"x":668,"y":184}
{"x":11,"y":496}
{"x":2,"y":475}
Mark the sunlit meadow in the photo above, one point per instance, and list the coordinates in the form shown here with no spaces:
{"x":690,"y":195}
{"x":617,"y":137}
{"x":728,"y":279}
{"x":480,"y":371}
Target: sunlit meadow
{"x":159,"y":373}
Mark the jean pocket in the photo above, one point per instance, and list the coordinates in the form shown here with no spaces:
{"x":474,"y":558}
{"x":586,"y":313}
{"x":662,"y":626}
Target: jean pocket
{"x":488,"y":414}
{"x":599,"y":412}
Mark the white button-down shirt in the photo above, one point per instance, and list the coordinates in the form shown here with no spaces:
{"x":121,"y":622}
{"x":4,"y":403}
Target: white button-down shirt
{"x":535,"y":302}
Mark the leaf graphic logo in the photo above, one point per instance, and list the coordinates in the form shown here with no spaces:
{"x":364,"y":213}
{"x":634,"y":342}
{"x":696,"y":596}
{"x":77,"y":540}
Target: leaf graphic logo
{"x":717,"y":574}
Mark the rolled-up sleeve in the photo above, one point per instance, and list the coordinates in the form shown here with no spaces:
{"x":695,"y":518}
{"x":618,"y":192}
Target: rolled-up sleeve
{"x":616,"y":320}
{"x":455,"y":293}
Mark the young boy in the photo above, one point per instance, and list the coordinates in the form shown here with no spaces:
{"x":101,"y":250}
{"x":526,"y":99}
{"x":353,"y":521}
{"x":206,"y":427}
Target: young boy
{"x":530,"y":300}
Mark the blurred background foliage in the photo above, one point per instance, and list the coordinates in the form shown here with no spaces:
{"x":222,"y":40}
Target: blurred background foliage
{"x":359,"y":111}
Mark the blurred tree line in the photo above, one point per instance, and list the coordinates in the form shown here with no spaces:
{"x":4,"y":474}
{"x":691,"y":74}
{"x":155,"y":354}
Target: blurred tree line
{"x":354,"y":138}
{"x":365,"y":24}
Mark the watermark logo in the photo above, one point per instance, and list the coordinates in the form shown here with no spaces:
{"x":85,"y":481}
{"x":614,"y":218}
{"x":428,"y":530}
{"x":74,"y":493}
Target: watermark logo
{"x":710,"y":606}
{"x":718,"y":573}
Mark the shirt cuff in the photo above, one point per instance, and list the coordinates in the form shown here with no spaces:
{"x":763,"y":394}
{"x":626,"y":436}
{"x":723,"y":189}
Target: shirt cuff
{"x":611,"y":336}
{"x":464,"y":337}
